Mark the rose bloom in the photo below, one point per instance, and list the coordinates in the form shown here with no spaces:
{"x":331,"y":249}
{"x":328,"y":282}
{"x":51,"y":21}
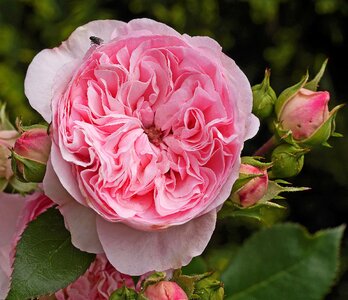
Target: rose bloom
{"x":147,"y":127}
{"x":16,"y":211}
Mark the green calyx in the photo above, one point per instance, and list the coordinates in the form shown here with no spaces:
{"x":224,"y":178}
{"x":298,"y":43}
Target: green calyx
{"x":27,"y":170}
{"x":324,"y":132}
{"x":124,"y":293}
{"x":287,"y":161}
{"x":263,"y":97}
{"x":201,"y":286}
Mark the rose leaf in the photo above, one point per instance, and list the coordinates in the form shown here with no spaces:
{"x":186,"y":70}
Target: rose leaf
{"x":46,"y":260}
{"x":284,"y":262}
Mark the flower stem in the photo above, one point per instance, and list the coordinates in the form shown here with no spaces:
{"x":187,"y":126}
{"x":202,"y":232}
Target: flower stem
{"x":266,"y":147}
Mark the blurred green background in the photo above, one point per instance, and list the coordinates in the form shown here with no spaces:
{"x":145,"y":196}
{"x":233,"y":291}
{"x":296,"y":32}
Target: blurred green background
{"x":289,"y":36}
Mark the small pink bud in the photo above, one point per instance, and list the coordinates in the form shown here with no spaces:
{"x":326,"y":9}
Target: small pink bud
{"x":165,"y":290}
{"x":34,"y":144}
{"x":253,"y":190}
{"x":305,"y":112}
{"x":7,"y":140}
{"x":30,"y":154}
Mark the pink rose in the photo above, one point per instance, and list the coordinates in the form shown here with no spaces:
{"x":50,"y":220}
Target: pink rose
{"x":98,"y":283}
{"x":255,"y":189}
{"x":305,"y":112}
{"x":147,"y":132}
{"x":16,"y":211}
{"x":165,"y":290}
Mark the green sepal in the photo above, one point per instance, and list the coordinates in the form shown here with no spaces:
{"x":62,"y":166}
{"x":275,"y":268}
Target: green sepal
{"x":209,"y":288}
{"x":287,"y":94}
{"x":124,"y":293}
{"x":3,"y":184}
{"x":243,"y":180}
{"x":153,"y":279}
{"x":22,"y":128}
{"x":263,"y":97}
{"x":256,"y":161}
{"x":323,"y":133}
{"x":33,"y":171}
{"x":200,"y":286}
{"x":5,"y":123}
{"x":186,"y":282}
{"x":264,"y":214}
{"x":314,"y":83}
{"x":275,"y":189}
{"x":21,"y":187}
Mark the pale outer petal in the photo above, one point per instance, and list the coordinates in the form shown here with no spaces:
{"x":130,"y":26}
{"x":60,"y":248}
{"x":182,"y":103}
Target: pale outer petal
{"x":10,"y":209}
{"x":136,"y":252}
{"x":41,"y":74}
{"x":79,"y":220}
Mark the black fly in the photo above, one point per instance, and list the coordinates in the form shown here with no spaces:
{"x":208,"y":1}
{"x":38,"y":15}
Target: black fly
{"x":95,"y":40}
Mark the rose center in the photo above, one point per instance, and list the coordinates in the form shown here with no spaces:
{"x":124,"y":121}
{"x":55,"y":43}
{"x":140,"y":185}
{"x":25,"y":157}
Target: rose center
{"x":154,"y":134}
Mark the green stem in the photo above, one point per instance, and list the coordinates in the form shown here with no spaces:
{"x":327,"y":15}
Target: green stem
{"x":266,"y":147}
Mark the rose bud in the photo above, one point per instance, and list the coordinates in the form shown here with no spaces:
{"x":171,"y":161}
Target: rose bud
{"x":209,"y":288}
{"x":254,"y":185}
{"x":263,"y":97}
{"x":304,"y":113}
{"x":287,"y":161}
{"x":30,"y":154}
{"x":8,"y":136}
{"x":165,"y":290}
{"x":7,"y":140}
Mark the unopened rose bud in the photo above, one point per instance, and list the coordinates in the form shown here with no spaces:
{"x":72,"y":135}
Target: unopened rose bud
{"x":254,"y":189}
{"x":209,"y":288}
{"x":287,"y":161}
{"x":7,"y":140}
{"x":165,"y":290}
{"x":30,"y":154}
{"x":303,"y":112}
{"x":263,"y":97}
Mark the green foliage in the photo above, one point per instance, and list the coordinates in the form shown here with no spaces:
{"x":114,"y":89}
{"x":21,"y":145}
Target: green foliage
{"x":284,"y":262}
{"x":46,"y":261}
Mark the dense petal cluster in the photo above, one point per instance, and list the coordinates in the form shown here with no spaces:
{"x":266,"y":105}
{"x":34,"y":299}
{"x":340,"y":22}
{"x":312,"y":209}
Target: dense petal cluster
{"x":147,"y":129}
{"x":98,"y":283}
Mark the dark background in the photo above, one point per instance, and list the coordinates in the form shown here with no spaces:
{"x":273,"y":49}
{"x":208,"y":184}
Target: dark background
{"x":289,"y":36}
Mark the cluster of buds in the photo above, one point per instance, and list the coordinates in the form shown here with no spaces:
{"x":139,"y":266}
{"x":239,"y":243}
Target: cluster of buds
{"x":179,"y":287}
{"x":302,"y":120}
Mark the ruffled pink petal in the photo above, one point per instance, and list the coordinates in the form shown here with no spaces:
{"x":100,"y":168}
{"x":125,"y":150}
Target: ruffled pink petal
{"x":151,"y":27}
{"x":11,"y":206}
{"x":136,"y":252}
{"x":243,"y":96}
{"x":79,"y":220}
{"x":41,"y":74}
